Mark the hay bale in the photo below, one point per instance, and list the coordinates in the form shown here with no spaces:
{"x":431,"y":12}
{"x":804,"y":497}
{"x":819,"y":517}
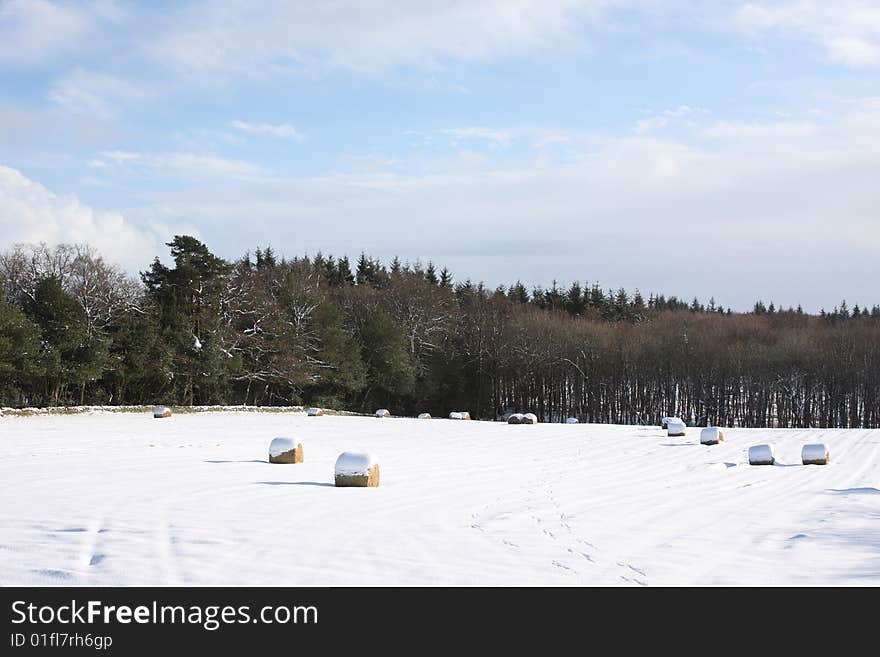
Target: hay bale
{"x":285,"y":450}
{"x":383,"y":412}
{"x":815,"y":454}
{"x":711,"y":436}
{"x":358,"y":469}
{"x":515,"y":418}
{"x":530,"y":418}
{"x":459,"y":415}
{"x":761,"y":455}
{"x":571,"y":420}
{"x":424,"y":416}
{"x":316,"y":412}
{"x":161,"y":411}
{"x":675,"y":427}
{"x":664,"y":422}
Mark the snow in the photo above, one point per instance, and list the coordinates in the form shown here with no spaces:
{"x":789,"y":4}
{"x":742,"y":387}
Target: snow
{"x":280,"y":445}
{"x":197,"y":345}
{"x":314,"y":412}
{"x":530,"y":417}
{"x":814,"y":452}
{"x":160,"y":411}
{"x":571,"y":420}
{"x":383,"y":412}
{"x":424,"y":416}
{"x":761,"y":455}
{"x":460,"y":415}
{"x":354,"y":463}
{"x":108,"y":499}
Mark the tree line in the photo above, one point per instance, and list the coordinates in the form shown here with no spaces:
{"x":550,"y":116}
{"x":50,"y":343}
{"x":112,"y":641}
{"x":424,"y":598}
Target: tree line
{"x":323,"y":331}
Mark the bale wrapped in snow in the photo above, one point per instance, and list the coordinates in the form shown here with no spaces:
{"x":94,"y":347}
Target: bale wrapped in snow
{"x":424,"y":416}
{"x":710,"y":436}
{"x":316,"y":412}
{"x":357,"y":469}
{"x":815,"y":454}
{"x":161,"y":411}
{"x":675,"y":427}
{"x":383,"y":412}
{"x":515,"y":418}
{"x":530,"y":418}
{"x":664,"y":422}
{"x":285,"y":450}
{"x":571,"y":420}
{"x":761,"y":455}
{"x":459,"y":415}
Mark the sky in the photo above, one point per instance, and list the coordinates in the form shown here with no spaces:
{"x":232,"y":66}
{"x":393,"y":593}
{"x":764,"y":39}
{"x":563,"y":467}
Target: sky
{"x":726,"y":149}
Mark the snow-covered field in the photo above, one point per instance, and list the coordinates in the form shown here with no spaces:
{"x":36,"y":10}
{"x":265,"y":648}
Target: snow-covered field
{"x":123,"y":499}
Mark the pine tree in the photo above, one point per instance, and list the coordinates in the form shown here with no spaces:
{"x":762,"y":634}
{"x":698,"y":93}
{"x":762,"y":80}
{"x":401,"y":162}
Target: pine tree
{"x":431,"y":274}
{"x":445,"y":278}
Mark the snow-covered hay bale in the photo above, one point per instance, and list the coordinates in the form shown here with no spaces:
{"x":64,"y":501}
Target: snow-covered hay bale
{"x":459,"y":415}
{"x":664,"y":422}
{"x":424,"y":416}
{"x":357,"y":469}
{"x":515,"y":418}
{"x":530,"y":418}
{"x":710,"y":436}
{"x":316,"y":412}
{"x":761,"y":455}
{"x":571,"y":420}
{"x":285,"y":450}
{"x":161,"y":411}
{"x":383,"y":412}
{"x":675,"y":427}
{"x":815,"y":454}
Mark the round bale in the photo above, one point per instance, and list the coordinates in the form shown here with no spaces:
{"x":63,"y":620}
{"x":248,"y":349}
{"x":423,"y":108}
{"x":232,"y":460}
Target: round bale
{"x":161,"y":411}
{"x":710,"y":436}
{"x":815,"y":454}
{"x":316,"y":412}
{"x":664,"y":422}
{"x":515,"y":418}
{"x":285,"y":450}
{"x":530,"y":418}
{"x":383,"y":412}
{"x":358,"y":469}
{"x":761,"y":455}
{"x":424,"y":416}
{"x":675,"y":427}
{"x":571,"y":420}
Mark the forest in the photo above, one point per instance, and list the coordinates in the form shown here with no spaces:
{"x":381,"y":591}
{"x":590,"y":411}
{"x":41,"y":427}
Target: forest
{"x":323,"y":331}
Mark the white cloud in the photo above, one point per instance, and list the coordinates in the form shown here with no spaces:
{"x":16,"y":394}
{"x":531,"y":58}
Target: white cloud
{"x":644,"y":126}
{"x":94,"y":94}
{"x":189,"y":165}
{"x":848,"y":30}
{"x":279,"y":131}
{"x":783,"y":210}
{"x":35,"y":31}
{"x":237,"y":37}
{"x":493,"y":137}
{"x":31,"y":213}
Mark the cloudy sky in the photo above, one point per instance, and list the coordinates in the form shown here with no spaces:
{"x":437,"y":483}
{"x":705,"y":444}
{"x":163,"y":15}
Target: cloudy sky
{"x":726,"y":148}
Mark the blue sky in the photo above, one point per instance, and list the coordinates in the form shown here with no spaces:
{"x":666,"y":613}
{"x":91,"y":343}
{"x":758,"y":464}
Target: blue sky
{"x":728,"y":148}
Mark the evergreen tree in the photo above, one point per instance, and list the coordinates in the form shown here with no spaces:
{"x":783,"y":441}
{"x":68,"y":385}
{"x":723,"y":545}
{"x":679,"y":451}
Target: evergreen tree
{"x":445,"y":278}
{"x":20,"y":363}
{"x":189,"y":299}
{"x":70,"y":357}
